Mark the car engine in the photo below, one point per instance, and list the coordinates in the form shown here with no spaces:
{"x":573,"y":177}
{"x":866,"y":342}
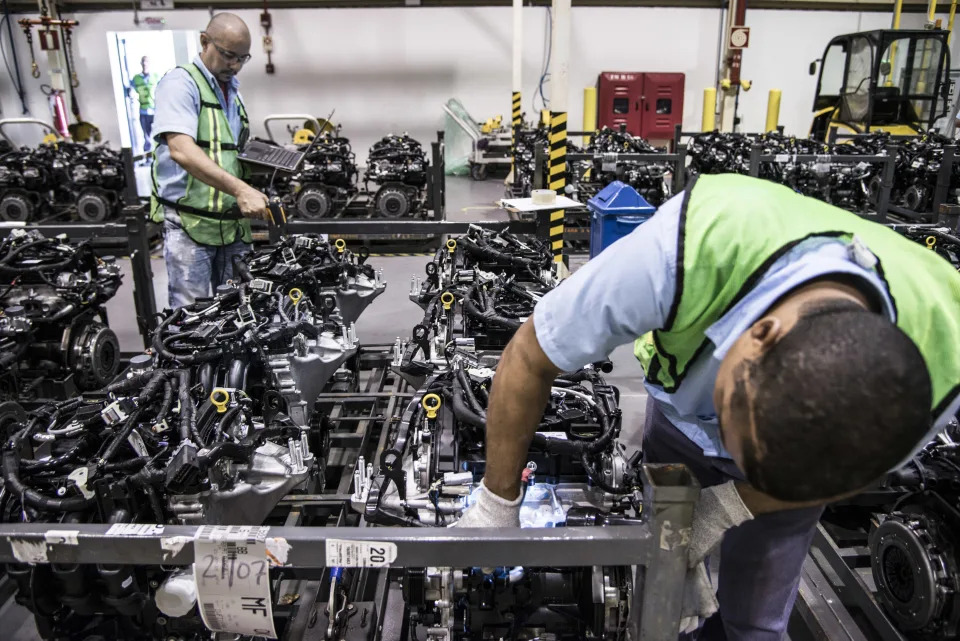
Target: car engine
{"x":578,"y":473}
{"x":213,"y":426}
{"x":221,"y":423}
{"x":66,"y":178}
{"x":310,"y":263}
{"x":398,"y":166}
{"x":279,"y":343}
{"x":913,"y":543}
{"x":156,"y":449}
{"x":54,"y":339}
{"x":95,"y":181}
{"x":850,"y":186}
{"x":27,"y":181}
{"x":650,"y":180}
{"x":324,"y":185}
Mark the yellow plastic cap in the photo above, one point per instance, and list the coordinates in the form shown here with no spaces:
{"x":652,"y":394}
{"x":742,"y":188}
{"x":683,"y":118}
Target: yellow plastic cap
{"x":220,"y":397}
{"x":446,"y":299}
{"x":431,"y":404}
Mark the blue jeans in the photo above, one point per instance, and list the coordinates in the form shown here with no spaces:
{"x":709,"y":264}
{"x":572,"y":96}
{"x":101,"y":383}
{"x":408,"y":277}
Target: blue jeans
{"x":146,"y":125}
{"x":194,"y":270}
{"x":760,"y":560}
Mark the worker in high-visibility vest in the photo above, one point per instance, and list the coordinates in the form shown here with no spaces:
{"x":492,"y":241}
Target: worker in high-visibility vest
{"x":199,"y":193}
{"x":793,"y":354}
{"x":143,"y":86}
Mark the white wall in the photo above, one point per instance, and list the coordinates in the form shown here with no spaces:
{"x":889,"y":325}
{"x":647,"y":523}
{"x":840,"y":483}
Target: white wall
{"x":391,"y":69}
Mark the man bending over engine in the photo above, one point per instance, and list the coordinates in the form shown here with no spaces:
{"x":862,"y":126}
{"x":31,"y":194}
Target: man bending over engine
{"x":793,"y":352}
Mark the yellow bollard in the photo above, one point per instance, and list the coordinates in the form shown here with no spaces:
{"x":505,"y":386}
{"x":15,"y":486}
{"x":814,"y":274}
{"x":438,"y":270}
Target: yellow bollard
{"x":589,"y":112}
{"x":773,"y":109}
{"x":709,"y":122}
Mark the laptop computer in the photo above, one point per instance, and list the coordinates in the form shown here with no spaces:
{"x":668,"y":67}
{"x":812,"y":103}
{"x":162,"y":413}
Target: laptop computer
{"x":272,"y":156}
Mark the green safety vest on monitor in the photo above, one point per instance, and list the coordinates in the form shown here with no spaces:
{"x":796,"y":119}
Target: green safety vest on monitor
{"x":733,"y":228}
{"x":145,"y":88}
{"x":202,"y":208}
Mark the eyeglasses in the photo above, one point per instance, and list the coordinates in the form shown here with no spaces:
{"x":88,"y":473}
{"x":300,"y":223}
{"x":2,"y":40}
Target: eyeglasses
{"x":229,"y":56}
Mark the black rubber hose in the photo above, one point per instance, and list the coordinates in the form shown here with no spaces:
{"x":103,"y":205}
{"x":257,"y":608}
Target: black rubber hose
{"x":33,"y":498}
{"x":128,"y":426}
{"x":79,"y":449}
{"x":188,"y":417}
{"x":167,"y":403}
{"x":241,"y":270}
{"x":486,"y":316}
{"x":228,"y":417}
{"x":234,"y":451}
{"x":466,"y":415}
{"x":467,"y":390}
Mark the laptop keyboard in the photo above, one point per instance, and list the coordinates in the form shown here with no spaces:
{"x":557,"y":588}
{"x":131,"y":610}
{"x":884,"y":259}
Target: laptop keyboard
{"x":280,"y":156}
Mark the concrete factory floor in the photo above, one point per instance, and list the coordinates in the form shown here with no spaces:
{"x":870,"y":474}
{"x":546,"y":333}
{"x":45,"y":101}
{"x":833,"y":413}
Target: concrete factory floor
{"x":390,"y":315}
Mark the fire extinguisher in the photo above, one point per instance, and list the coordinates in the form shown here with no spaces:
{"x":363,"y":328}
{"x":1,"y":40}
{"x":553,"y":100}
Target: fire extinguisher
{"x":58,"y":110}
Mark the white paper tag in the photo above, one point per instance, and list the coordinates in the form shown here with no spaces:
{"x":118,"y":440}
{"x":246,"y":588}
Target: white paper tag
{"x":560,"y":436}
{"x":29,"y":551}
{"x":233,"y":580}
{"x":360,"y":554}
{"x":135,"y":529}
{"x":62,"y":537}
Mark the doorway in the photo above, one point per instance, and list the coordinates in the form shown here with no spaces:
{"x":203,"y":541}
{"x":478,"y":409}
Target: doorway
{"x":165,"y":50}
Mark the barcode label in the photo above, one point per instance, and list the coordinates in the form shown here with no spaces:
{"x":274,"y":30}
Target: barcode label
{"x":211,"y":614}
{"x":135,"y":529}
{"x":360,"y":554}
{"x":233,"y":580}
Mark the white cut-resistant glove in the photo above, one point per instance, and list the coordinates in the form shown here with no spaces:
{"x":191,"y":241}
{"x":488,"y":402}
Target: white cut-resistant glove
{"x":490,"y":510}
{"x":718,"y":509}
{"x":699,"y":598}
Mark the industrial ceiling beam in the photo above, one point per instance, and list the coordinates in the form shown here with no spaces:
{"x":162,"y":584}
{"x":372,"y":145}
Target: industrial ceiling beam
{"x":71,"y":6}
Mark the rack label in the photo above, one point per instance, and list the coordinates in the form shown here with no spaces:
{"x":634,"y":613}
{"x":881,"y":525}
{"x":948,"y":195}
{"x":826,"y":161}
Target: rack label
{"x":342,"y":553}
{"x":134,"y":529}
{"x":233,"y":580}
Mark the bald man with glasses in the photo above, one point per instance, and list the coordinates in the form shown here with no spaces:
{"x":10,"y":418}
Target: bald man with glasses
{"x":200,"y":122}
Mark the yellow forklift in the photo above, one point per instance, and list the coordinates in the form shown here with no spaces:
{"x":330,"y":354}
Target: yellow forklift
{"x":893,"y":80}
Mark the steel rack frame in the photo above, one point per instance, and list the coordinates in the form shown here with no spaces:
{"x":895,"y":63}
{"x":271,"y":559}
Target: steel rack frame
{"x":658,"y":546}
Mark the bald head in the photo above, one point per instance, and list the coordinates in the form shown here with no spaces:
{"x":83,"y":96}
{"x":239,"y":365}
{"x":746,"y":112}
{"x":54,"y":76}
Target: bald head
{"x":226,"y":43}
{"x":228,"y":25}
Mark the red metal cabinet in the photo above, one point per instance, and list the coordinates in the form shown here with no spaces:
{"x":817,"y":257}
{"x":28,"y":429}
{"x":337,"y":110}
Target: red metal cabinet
{"x":618,"y":100}
{"x":649,"y":104}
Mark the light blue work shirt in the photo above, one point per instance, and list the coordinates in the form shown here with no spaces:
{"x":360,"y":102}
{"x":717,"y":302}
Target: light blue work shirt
{"x":178,"y":111}
{"x":628,"y":289}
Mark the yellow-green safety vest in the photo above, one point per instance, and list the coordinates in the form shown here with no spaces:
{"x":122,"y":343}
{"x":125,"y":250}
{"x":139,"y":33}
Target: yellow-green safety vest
{"x":734,"y":228}
{"x":203,"y":209}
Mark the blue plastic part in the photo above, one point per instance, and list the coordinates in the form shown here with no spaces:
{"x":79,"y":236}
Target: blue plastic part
{"x":615,"y":212}
{"x":336,"y":573}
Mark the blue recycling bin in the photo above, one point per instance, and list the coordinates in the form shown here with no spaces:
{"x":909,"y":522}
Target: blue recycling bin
{"x":615,"y":212}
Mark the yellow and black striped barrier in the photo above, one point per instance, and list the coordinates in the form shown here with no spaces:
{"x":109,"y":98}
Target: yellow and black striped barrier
{"x":557,"y":178}
{"x":517,"y":123}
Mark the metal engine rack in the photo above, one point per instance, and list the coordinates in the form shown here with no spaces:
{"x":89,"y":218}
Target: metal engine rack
{"x":358,"y":412}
